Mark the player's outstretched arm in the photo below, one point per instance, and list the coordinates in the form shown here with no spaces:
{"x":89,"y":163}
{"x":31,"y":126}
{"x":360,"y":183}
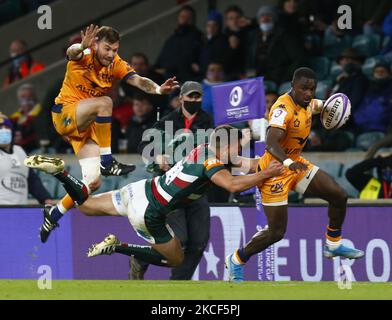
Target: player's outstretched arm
{"x":75,"y":51}
{"x":224,"y":179}
{"x":149,"y":86}
{"x":246,"y":165}
{"x":316,"y":106}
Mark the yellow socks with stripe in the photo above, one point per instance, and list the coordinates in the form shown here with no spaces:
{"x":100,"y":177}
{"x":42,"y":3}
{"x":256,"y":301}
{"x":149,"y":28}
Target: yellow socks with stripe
{"x":103,"y":127}
{"x":333,"y":238}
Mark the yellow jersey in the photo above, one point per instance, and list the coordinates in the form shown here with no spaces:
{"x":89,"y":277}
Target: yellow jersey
{"x":87,"y":78}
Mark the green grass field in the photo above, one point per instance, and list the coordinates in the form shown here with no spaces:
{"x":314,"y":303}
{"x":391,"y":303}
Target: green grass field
{"x":165,"y":290}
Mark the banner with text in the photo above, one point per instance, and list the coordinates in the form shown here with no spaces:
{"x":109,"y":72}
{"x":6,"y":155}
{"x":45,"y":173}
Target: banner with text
{"x":238,"y":101}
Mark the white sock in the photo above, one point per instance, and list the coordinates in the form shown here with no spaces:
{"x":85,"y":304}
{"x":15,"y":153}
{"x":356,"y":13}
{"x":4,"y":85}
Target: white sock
{"x":332,"y":245}
{"x":61,"y":208}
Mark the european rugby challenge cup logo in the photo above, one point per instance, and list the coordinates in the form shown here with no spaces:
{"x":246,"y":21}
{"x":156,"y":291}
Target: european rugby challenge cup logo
{"x":236,"y":96}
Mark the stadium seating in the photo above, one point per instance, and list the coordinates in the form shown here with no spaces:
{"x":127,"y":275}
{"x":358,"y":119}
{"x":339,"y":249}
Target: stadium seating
{"x":367,"y":45}
{"x":284,"y":87}
{"x":323,"y":89}
{"x":9,"y":10}
{"x":335,"y":70}
{"x":270,"y":85}
{"x":365,"y":140}
{"x":321,"y":66}
{"x":369,"y":64}
{"x":333,"y":45}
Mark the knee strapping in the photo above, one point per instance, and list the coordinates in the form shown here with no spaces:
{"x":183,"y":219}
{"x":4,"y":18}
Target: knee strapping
{"x":90,"y":170}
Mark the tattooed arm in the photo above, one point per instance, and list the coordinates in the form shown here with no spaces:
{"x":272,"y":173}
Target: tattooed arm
{"x":149,"y":86}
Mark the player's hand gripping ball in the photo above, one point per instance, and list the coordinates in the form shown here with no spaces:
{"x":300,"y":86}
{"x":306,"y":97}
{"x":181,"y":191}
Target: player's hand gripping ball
{"x":336,"y":111}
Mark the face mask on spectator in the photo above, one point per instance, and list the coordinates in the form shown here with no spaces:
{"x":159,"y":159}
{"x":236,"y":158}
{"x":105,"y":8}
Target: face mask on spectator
{"x":192,"y":106}
{"x":350,"y":68}
{"x":5,"y":136}
{"x":266,"y":26}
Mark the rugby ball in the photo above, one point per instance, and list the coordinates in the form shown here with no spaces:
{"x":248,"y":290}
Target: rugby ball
{"x":336,"y":111}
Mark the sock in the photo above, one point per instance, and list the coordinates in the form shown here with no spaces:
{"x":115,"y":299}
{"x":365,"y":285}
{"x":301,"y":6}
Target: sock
{"x":58,"y":212}
{"x":77,"y":191}
{"x":239,"y":256}
{"x":103,"y":127}
{"x":145,"y":253}
{"x":333,"y":238}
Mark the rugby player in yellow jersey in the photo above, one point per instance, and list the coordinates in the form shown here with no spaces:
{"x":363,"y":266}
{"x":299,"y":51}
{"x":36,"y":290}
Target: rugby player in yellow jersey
{"x":83,"y":111}
{"x":290,"y":121}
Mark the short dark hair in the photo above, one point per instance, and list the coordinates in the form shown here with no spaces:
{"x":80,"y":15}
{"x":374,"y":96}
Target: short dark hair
{"x":234,"y":8}
{"x":215,"y":140}
{"x":109,"y":34}
{"x":139,"y":55}
{"x":190,"y":9}
{"x":304,"y":72}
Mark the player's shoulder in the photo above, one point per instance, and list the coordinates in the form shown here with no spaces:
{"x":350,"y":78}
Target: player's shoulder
{"x":284,"y":102}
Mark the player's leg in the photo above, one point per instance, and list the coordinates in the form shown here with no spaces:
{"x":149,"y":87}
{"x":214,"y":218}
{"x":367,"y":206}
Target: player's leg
{"x":97,"y":114}
{"x":324,"y":186}
{"x":169,"y":254}
{"x":277,"y":223}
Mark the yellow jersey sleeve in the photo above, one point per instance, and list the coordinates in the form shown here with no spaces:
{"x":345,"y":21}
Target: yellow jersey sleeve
{"x":122,"y":70}
{"x":280,"y":116}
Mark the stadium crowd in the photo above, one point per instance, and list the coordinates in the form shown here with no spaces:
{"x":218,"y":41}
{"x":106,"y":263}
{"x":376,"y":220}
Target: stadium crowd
{"x":272,"y":44}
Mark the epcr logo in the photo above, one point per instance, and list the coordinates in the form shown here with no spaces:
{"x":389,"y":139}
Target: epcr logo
{"x":236,"y":96}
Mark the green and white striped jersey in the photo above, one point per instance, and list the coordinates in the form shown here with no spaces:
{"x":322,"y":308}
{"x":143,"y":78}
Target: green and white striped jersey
{"x":185,"y":182}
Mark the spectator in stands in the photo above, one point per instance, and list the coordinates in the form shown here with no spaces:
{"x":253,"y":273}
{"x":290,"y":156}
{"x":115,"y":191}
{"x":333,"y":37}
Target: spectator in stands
{"x":383,"y":143}
{"x":141,"y":64}
{"x":17,"y":181}
{"x":273,"y":52}
{"x":24,"y":120}
{"x":143,"y":118}
{"x":181,"y":51}
{"x":236,"y":28}
{"x":259,"y":126}
{"x":174,"y":103}
{"x":374,"y":113}
{"x":289,"y":18}
{"x":370,"y":186}
{"x":22,"y":64}
{"x":386,"y":52}
{"x":351,"y":81}
{"x":367,"y":15}
{"x":215,"y":46}
{"x":214,"y":75}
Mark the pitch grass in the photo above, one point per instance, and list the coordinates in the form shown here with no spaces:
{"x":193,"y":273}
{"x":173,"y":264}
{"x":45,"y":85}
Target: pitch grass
{"x":191,"y":290}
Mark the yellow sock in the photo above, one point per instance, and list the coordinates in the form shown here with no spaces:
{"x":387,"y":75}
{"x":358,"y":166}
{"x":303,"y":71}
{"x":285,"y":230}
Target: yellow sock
{"x":103,"y":127}
{"x":66,"y":204}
